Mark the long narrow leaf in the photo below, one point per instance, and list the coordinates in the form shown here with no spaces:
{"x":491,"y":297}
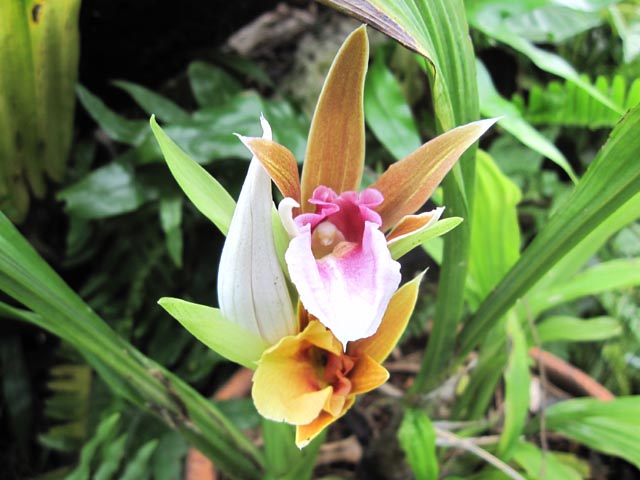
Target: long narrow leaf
{"x":612,"y":179}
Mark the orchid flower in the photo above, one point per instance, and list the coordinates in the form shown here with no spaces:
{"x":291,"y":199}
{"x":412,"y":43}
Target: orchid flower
{"x":314,"y":354}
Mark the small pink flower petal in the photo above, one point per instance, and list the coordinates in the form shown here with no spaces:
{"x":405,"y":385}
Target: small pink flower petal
{"x":348,"y":290}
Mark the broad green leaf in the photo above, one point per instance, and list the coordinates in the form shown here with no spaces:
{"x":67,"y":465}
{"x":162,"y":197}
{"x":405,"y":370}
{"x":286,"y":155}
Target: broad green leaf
{"x":153,"y":103}
{"x":387,"y":113}
{"x":517,"y":381}
{"x":418,"y":440}
{"x":120,"y":129}
{"x":209,"y":326}
{"x":610,"y":427}
{"x":572,"y":329}
{"x":597,"y":279}
{"x":211,"y":85}
{"x":492,"y":104}
{"x":545,"y":465}
{"x":107,"y":191}
{"x":611,"y":180}
{"x":404,"y":245}
{"x":495,"y":233}
{"x":203,"y":190}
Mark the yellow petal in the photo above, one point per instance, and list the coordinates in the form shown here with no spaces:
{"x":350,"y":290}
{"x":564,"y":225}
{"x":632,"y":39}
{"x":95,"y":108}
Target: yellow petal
{"x":306,"y":433}
{"x":366,"y":375}
{"x":394,"y":322}
{"x":406,"y":185}
{"x":279,"y":163}
{"x":286,"y":385}
{"x":335,"y":149}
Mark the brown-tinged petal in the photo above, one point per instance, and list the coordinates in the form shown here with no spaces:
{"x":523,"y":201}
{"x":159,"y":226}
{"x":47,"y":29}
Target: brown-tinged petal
{"x":306,"y":433}
{"x":367,"y":374}
{"x":406,"y":185}
{"x":394,"y":322}
{"x":335,"y":150}
{"x":413,"y":223}
{"x":279,"y":163}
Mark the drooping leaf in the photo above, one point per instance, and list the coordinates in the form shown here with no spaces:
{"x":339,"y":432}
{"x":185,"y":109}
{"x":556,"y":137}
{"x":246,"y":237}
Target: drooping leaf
{"x":202,"y":189}
{"x":489,"y":21}
{"x":599,"y":278}
{"x":572,"y":329}
{"x":492,"y":104}
{"x":610,"y":427}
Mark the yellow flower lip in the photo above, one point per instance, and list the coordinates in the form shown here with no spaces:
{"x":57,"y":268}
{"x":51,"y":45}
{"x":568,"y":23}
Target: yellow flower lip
{"x":308,"y":380}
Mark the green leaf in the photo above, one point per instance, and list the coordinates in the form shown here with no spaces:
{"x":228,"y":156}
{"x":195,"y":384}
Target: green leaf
{"x":405,"y":244}
{"x":387,"y":112}
{"x":572,"y":329}
{"x":113,"y":454}
{"x":138,"y":466}
{"x":418,"y":440}
{"x":492,"y":104}
{"x":203,"y":190}
{"x":495,"y":232}
{"x":170,"y":220}
{"x":120,"y":129}
{"x":27,"y":279}
{"x":563,"y":103}
{"x":540,"y":21}
{"x":611,"y":427}
{"x":605,"y":276}
{"x":105,"y":431}
{"x":285,"y":461}
{"x":535,"y":462}
{"x":517,"y":381}
{"x":153,"y":103}
{"x":107,"y":191}
{"x":611,"y":180}
{"x":209,"y":326}
{"x":211,"y":85}
{"x":550,"y":62}
{"x":626,"y":19}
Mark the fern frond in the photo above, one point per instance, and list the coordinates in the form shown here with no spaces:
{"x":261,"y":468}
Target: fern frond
{"x":565,"y":104}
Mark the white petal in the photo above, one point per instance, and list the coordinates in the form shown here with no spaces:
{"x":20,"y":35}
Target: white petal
{"x":252,"y":290}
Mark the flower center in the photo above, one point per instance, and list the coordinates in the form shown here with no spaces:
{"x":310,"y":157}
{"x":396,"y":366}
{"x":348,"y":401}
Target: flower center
{"x":325,"y":238}
{"x":332,"y":369}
